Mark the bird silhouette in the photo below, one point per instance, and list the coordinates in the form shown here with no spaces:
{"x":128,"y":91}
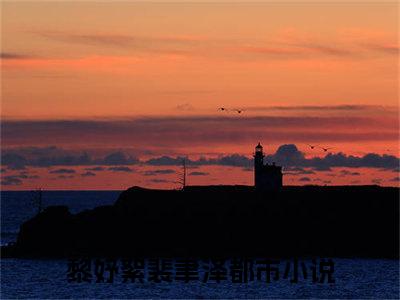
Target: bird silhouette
{"x":326,"y":149}
{"x":239,"y":111}
{"x":222,"y":109}
{"x":312,"y":146}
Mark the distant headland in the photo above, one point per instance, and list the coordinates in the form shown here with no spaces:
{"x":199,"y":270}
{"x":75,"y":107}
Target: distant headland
{"x":209,"y":221}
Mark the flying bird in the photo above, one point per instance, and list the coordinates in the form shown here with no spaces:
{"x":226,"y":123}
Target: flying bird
{"x":222,"y":109}
{"x":325,"y":149}
{"x":239,"y":111}
{"x":312,"y":146}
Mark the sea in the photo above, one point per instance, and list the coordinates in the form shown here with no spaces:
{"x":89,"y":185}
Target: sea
{"x":354,"y":278}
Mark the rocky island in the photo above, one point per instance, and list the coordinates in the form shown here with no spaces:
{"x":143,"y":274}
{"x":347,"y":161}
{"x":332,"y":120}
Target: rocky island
{"x":210,"y":221}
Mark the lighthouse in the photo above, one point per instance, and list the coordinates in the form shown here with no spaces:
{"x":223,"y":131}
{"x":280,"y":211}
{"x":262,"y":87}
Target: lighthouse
{"x":267,"y":177}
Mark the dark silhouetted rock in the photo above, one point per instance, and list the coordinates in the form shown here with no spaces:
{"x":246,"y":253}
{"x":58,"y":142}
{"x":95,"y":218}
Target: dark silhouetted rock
{"x":352,"y":221}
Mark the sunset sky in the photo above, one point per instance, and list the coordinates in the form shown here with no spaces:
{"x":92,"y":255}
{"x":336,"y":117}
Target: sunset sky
{"x":106,"y":95}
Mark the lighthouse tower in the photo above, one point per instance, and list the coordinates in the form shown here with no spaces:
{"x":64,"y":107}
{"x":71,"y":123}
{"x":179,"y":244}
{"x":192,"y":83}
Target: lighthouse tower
{"x":258,"y":164}
{"x":266,"y":177}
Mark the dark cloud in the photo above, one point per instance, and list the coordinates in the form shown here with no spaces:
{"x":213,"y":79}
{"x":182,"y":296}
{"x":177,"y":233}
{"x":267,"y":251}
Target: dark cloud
{"x":346,"y":173}
{"x":13,"y":161}
{"x":156,"y":180}
{"x":65,"y":176}
{"x":120,"y":169}
{"x":324,"y":108}
{"x":158,"y":172}
{"x":42,"y":157}
{"x":198,"y":173}
{"x":11,"y":180}
{"x":384,"y":48}
{"x":290,"y":157}
{"x":163,"y":45}
{"x":166,"y":161}
{"x":25,"y":175}
{"x":287,"y":155}
{"x":305,"y":179}
{"x":19,"y":158}
{"x":395,"y":179}
{"x":88,"y":174}
{"x":40,"y":151}
{"x":9,"y":55}
{"x":303,"y":50}
{"x":178,"y":132}
{"x":234,"y":160}
{"x":62,"y":171}
{"x":118,"y":158}
{"x":196,"y":45}
{"x":322,"y":168}
{"x":298,"y":171}
{"x":229,"y":160}
{"x":95,"y":169}
{"x":308,"y":50}
{"x":326,"y":49}
{"x":323,"y":181}
{"x":113,"y":40}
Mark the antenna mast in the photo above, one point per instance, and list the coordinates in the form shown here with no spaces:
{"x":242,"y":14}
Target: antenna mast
{"x":184,"y":174}
{"x":182,"y":179}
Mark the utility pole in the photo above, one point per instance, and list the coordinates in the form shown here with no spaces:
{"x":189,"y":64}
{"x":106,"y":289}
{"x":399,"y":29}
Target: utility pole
{"x":184,"y":174}
{"x":182,"y":179}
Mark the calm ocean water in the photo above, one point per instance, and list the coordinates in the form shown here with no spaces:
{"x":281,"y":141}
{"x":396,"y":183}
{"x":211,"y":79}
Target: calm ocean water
{"x":23,"y":278}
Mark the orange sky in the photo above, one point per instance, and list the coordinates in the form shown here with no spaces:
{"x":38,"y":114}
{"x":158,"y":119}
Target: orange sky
{"x":90,"y":61}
